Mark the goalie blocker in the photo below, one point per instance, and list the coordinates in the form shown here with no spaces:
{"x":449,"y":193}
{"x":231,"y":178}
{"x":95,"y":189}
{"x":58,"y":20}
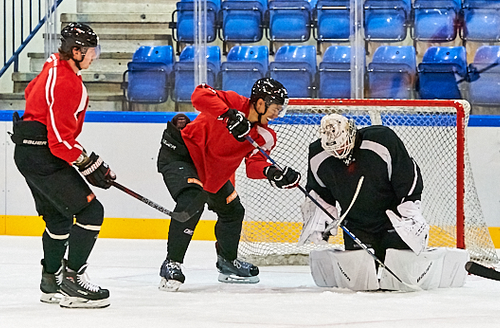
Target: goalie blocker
{"x":355,"y":270}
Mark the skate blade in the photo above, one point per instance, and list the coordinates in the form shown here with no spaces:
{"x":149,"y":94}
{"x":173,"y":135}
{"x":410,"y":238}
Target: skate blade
{"x":232,"y":279}
{"x":51,"y":298}
{"x":169,"y":285}
{"x":83,"y":303}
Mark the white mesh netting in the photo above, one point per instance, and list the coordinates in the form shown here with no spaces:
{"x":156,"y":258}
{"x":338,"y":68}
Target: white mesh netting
{"x":273,"y":220}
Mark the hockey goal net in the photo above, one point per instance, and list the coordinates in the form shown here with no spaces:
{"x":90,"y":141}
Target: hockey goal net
{"x":434,"y":133}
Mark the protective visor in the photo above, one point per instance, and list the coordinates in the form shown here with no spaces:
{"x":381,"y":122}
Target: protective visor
{"x":95,"y":52}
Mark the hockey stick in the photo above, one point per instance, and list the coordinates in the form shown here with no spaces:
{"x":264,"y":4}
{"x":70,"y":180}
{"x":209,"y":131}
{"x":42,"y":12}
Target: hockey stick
{"x":342,"y":217}
{"x":350,"y":234}
{"x":482,"y":271}
{"x":177,"y":216}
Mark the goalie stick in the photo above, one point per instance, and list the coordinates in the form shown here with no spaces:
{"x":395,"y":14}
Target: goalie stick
{"x":350,"y":234}
{"x":342,"y":217}
{"x":177,"y":216}
{"x":482,"y":271}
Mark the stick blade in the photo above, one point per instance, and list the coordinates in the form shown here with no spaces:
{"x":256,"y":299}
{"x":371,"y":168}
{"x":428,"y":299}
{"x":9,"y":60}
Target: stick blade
{"x":180,"y":216}
{"x":482,"y":271}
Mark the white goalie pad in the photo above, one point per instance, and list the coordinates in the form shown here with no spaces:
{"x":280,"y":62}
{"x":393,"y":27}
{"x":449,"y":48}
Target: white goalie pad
{"x":354,"y":270}
{"x":316,"y":220}
{"x":454,"y":272}
{"x":433,"y":268}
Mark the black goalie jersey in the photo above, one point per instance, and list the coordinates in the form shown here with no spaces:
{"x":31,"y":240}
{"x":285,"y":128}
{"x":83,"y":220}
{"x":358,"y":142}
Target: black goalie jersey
{"x":391,"y":177}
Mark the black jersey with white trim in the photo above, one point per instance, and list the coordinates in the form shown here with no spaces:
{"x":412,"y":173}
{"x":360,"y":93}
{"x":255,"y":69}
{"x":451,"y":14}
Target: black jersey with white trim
{"x":391,"y":177}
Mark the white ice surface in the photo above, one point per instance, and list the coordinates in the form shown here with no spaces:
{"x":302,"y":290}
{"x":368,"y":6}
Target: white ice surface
{"x":285,"y":297}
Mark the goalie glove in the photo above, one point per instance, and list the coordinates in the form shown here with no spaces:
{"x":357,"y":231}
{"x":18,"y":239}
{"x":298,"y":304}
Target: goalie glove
{"x":316,"y":221}
{"x":411,"y":225}
{"x":95,"y":170}
{"x":237,"y":124}
{"x":286,"y":179}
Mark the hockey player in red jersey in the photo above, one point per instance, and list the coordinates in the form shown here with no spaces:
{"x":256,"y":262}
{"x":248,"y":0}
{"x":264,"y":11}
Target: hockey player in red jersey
{"x":46,"y":150}
{"x":197,"y":163}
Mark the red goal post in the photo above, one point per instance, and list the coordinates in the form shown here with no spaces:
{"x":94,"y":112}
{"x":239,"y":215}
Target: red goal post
{"x":434,"y":132}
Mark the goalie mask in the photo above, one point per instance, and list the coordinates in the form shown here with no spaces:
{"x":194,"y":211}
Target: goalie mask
{"x":338,"y":135}
{"x":272,"y":92}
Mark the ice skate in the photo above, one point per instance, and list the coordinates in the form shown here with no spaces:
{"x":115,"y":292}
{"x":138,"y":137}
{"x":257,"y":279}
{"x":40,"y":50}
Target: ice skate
{"x":80,"y":292}
{"x":171,"y":276}
{"x":237,"y":271}
{"x":51,"y":286}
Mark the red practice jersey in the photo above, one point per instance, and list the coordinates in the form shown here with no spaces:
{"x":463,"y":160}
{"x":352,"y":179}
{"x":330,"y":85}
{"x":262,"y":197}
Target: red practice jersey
{"x":58,"y":99}
{"x":215,"y":152}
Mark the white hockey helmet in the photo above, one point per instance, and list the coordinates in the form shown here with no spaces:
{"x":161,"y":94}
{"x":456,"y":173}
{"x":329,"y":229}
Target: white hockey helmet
{"x":337,"y":134}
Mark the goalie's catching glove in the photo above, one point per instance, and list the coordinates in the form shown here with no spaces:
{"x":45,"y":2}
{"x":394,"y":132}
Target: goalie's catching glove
{"x":411,"y":225}
{"x":95,"y":170}
{"x":286,"y":179}
{"x":237,"y":124}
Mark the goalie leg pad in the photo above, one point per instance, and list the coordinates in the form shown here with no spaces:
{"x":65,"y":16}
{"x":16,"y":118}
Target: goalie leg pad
{"x":454,"y":272}
{"x":423,"y":270}
{"x":354,"y":270}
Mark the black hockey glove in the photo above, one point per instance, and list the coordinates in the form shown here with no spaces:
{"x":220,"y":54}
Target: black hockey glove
{"x":286,"y":179}
{"x":95,"y":170}
{"x":237,"y":124}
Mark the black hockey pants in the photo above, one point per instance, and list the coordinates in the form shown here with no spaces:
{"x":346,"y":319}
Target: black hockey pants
{"x":60,"y":195}
{"x":379,"y":241}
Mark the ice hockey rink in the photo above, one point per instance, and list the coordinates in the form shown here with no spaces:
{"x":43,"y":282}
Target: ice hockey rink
{"x":285,"y":297}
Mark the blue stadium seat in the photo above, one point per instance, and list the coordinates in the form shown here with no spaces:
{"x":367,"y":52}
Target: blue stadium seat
{"x":148,"y":75}
{"x":392,"y":72}
{"x":485,"y":91}
{"x":335,"y":73}
{"x":435,"y":20}
{"x":332,"y":21}
{"x":184,"y":72}
{"x":386,"y":20}
{"x":439,"y":71}
{"x":295,"y":67}
{"x":242,"y":20}
{"x":183,"y":27}
{"x":481,"y":20}
{"x":244,"y":66}
{"x":289,"y":21}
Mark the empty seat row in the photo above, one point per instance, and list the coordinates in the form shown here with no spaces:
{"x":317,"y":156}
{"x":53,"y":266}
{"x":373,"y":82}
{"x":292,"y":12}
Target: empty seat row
{"x":393,"y":72}
{"x":329,"y":20}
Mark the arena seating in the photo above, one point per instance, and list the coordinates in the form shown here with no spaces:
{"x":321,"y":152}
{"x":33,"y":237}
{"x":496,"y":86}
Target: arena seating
{"x":386,"y":20}
{"x":481,"y":20}
{"x":392,"y":72}
{"x":435,"y":20}
{"x":244,"y":66}
{"x":485,"y":90}
{"x":147,"y":78}
{"x":440,"y":70}
{"x":332,"y":21}
{"x":237,"y":13}
{"x":295,"y":67}
{"x":334,"y":73}
{"x":184,"y":72}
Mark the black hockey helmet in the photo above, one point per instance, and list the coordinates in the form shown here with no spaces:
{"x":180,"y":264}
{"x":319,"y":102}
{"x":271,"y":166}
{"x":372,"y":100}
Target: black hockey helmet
{"x":272,"y":92}
{"x":78,"y":35}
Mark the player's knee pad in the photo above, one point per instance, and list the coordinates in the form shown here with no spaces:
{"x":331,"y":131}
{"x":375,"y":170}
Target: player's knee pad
{"x":187,"y":198}
{"x":436,"y":267}
{"x":354,"y":270}
{"x":91,"y":217}
{"x":57,"y":226}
